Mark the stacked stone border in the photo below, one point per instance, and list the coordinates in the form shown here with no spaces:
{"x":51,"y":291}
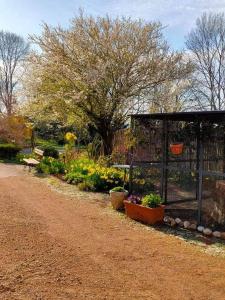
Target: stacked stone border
{"x":194,"y":227}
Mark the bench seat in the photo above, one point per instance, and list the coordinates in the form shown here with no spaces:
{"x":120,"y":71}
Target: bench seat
{"x":31,"y":161}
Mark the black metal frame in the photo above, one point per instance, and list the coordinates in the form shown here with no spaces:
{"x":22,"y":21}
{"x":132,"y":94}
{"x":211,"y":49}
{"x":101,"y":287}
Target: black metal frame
{"x":214,"y":117}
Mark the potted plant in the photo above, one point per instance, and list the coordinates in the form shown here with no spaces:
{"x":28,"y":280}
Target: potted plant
{"x":117,"y":196}
{"x":148,"y":210}
{"x":177,"y":147}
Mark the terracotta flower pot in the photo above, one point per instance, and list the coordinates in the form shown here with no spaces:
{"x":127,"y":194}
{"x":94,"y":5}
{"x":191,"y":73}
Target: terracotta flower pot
{"x":177,"y":149}
{"x":144,"y":214}
{"x":117,"y":199}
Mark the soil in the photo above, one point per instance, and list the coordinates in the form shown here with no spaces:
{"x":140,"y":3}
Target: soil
{"x":56,"y":246}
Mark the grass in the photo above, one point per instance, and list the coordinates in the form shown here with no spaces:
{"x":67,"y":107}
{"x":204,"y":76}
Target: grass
{"x":48,"y":143}
{"x":52,"y":143}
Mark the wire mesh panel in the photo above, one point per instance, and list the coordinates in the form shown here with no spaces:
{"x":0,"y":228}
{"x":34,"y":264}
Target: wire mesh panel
{"x":213,"y":136}
{"x":146,"y":179}
{"x":213,"y":183}
{"x":181,"y":185}
{"x":193,"y":176}
{"x":213,"y":201}
{"x":148,"y":140}
{"x":181,"y":175}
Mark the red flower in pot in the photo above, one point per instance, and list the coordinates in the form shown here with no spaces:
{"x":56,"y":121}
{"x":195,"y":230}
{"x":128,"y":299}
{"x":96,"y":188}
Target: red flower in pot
{"x":177,"y":148}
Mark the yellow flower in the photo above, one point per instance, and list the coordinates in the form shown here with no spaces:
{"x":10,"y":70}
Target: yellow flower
{"x":70,"y":137}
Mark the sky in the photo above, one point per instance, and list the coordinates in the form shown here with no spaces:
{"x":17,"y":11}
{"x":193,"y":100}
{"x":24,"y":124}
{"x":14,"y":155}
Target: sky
{"x":25,"y":17}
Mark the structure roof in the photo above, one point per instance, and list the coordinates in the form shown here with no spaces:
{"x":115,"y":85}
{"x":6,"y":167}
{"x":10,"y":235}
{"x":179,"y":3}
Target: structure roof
{"x":212,"y":116}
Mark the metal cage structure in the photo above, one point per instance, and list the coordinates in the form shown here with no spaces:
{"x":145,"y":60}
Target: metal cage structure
{"x":190,"y":179}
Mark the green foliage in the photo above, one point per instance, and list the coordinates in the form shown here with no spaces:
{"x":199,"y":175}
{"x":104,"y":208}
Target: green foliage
{"x":105,"y":160}
{"x":50,"y":151}
{"x":145,"y":180}
{"x":20,"y":156}
{"x":92,"y":175}
{"x":151,"y":200}
{"x":42,"y":143}
{"x":186,"y":180}
{"x":49,"y":165}
{"x":94,"y":148}
{"x":8,"y":151}
{"x":86,"y":186}
{"x":50,"y":131}
{"x":118,"y":189}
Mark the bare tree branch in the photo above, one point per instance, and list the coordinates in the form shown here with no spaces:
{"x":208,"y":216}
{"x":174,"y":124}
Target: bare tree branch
{"x":13,"y":50}
{"x":207,"y":45}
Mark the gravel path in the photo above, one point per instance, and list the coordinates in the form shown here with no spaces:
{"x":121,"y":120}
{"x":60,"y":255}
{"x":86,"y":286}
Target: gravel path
{"x":8,"y":170}
{"x":60,"y":247}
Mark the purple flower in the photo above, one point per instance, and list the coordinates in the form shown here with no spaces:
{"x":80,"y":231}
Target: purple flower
{"x":134,"y":199}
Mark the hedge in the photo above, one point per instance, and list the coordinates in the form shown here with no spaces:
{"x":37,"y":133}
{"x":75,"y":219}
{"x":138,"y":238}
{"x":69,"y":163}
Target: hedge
{"x":8,"y":151}
{"x":50,"y":151}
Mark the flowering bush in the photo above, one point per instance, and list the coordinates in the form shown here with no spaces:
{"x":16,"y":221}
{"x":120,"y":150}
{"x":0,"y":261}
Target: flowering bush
{"x":94,"y":176}
{"x":50,"y":165}
{"x":85,"y":173}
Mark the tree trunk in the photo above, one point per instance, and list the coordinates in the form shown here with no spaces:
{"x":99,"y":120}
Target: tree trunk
{"x":9,"y":110}
{"x":107,"y":139}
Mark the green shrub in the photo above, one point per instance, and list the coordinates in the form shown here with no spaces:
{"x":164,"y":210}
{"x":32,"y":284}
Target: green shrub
{"x":8,"y":151}
{"x":118,"y":189}
{"x":41,"y":143}
{"x":75,"y":178}
{"x":87,"y":171}
{"x":49,"y":165}
{"x":21,"y":156}
{"x":50,"y":151}
{"x":151,"y":200}
{"x":86,"y":186}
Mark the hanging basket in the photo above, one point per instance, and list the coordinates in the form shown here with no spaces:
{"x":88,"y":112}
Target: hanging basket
{"x":177,"y":148}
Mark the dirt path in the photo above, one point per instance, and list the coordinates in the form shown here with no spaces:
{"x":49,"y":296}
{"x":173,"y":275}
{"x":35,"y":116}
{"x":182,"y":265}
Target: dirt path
{"x":56,"y":247}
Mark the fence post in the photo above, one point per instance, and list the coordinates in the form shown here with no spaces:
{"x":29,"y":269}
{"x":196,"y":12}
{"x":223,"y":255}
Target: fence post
{"x":199,"y":170}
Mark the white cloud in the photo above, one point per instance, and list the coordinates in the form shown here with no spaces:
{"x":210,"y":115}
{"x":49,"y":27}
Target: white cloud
{"x":178,"y":15}
{"x":172,"y":12}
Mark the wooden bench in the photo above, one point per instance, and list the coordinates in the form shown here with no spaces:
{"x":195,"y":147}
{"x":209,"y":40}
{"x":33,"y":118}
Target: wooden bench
{"x":39,"y":152}
{"x":32,"y":162}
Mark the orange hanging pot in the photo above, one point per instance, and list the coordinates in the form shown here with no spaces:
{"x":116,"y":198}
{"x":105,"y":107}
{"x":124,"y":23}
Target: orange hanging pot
{"x":177,"y":148}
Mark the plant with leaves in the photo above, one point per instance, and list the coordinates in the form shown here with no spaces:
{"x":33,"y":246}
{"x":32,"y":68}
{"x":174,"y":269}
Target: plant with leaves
{"x":15,"y":129}
{"x":69,"y":146}
{"x":151,"y":200}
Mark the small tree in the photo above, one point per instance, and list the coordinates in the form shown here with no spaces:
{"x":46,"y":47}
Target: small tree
{"x":102,"y":68}
{"x":14,"y":129}
{"x":13,"y":50}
